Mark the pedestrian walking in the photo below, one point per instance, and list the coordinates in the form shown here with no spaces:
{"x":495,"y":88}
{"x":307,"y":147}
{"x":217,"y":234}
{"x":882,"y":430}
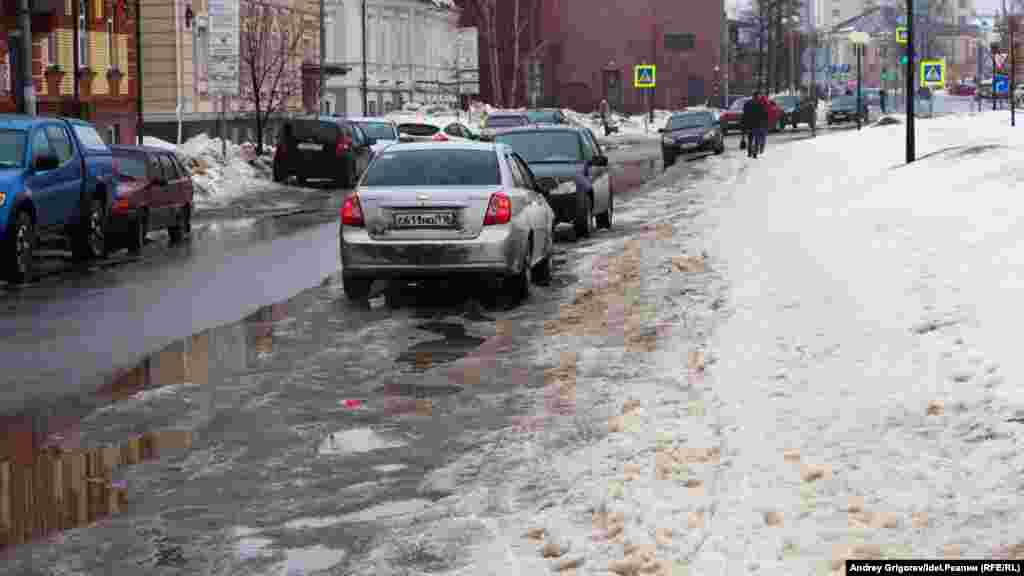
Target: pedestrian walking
{"x":606,"y":113}
{"x":766,"y":121}
{"x":881,"y":100}
{"x":752,"y":112}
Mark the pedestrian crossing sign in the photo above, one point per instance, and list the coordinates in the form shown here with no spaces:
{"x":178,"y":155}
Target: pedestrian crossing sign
{"x":901,"y":34}
{"x":643,"y":76}
{"x":933,"y":73}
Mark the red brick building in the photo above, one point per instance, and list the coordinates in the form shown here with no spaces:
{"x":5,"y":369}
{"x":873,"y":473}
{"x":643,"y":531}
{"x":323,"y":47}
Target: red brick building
{"x":106,"y":79}
{"x":589,"y":50}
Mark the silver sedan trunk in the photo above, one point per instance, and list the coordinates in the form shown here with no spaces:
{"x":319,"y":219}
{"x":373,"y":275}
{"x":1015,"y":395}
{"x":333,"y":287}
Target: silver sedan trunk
{"x":421,"y":228}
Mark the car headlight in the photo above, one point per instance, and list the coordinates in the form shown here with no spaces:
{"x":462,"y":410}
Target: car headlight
{"x":667,"y":140}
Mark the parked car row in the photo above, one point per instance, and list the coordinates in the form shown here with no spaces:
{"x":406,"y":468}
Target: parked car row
{"x":59,"y":181}
{"x":785,"y":111}
{"x":442,"y":211}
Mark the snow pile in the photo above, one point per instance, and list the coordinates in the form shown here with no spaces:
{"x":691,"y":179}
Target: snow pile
{"x":220,"y":178}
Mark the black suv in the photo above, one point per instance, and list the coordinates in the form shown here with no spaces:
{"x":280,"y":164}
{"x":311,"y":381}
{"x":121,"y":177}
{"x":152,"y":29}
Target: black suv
{"x":844,"y":109}
{"x":322,"y":148}
{"x":692,"y":131}
{"x":571,"y":171}
{"x":796,"y":110}
{"x":547,"y":116}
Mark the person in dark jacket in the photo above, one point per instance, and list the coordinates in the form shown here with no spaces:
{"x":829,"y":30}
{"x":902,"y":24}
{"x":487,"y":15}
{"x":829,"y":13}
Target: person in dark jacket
{"x":751,"y":122}
{"x":881,"y":100}
{"x":768,"y":120}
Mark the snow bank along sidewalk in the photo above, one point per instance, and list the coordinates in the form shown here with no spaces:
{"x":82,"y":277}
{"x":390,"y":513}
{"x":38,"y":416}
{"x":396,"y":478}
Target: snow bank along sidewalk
{"x":867,"y":378}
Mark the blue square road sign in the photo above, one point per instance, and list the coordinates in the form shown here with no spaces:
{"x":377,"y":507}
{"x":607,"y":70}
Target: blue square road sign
{"x":1001,"y":84}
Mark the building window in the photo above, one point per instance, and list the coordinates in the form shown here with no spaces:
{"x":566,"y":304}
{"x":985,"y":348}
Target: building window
{"x":111,"y":44}
{"x":83,"y":34}
{"x":51,"y":48}
{"x":680,"y":42}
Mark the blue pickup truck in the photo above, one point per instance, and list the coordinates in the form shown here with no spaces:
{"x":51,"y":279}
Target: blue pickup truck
{"x":56,"y":177}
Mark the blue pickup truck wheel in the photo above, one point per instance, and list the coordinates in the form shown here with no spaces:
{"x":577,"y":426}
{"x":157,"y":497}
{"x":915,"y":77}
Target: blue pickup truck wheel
{"x":19,"y":258}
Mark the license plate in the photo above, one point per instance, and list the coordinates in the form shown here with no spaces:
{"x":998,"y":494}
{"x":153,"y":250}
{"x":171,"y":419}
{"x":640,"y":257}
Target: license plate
{"x":425,"y":220}
{"x":310,"y":146}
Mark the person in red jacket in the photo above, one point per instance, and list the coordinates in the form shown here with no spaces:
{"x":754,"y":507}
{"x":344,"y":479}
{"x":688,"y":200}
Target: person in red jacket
{"x":769,"y":116}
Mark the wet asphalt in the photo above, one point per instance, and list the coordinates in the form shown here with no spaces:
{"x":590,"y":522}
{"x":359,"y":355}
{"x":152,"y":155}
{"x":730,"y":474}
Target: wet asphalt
{"x":193,"y":405}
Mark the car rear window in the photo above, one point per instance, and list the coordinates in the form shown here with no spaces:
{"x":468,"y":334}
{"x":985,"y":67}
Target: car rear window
{"x":694,"y":120}
{"x":506,"y":121}
{"x":379,"y":130}
{"x":787,"y":101}
{"x":325,"y":132}
{"x":437,"y":167}
{"x":543,"y":117}
{"x":544,"y":146}
{"x":12,"y":148}
{"x":90,"y":138}
{"x":418,"y":129}
{"x":131,"y":165}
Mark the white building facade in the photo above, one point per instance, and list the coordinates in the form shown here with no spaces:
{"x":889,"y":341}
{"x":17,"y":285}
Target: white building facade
{"x":410,"y":54}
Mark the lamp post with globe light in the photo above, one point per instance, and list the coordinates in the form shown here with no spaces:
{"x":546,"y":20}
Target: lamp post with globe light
{"x":859,"y":40}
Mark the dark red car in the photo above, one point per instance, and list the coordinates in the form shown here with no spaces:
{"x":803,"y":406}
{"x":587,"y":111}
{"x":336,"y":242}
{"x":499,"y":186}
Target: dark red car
{"x":155,"y":193}
{"x":964,"y":89}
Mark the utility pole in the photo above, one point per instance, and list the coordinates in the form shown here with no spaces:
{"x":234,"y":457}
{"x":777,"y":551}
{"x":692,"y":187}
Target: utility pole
{"x":909,"y":96}
{"x":365,"y":96}
{"x":323,"y":49}
{"x":813,"y":92}
{"x":75,"y":59}
{"x":28,"y":89}
{"x":1012,"y":94}
{"x":727,"y":53}
{"x":138,"y":71}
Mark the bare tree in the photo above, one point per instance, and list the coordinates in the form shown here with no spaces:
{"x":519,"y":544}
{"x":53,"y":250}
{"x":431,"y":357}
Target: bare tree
{"x":486,"y":13}
{"x":519,"y":27}
{"x":270,"y":63}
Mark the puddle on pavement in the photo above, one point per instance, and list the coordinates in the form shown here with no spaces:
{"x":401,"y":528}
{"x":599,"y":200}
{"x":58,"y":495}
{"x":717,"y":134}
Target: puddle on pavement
{"x":389,"y":468}
{"x":631,"y":174}
{"x":356,"y":441}
{"x":387,"y":510}
{"x":454,"y":344}
{"x":300,"y":561}
{"x":48,"y":489}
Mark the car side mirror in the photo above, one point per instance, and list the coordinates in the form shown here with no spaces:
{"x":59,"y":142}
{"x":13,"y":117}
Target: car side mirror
{"x":47,"y":162}
{"x":601,"y":161}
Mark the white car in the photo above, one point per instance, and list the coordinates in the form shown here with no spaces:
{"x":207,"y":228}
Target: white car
{"x":435,"y":129}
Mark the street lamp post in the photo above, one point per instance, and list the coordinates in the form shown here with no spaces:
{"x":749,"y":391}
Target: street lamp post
{"x":909,"y":87}
{"x":365,"y":96}
{"x":859,"y":39}
{"x":993,"y":47}
{"x":718,"y":84}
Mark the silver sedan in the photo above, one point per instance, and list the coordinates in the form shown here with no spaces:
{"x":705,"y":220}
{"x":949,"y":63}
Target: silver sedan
{"x":444,"y":210}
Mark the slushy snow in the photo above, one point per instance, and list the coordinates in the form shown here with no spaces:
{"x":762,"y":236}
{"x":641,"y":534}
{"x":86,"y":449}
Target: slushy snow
{"x":855,"y":398}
